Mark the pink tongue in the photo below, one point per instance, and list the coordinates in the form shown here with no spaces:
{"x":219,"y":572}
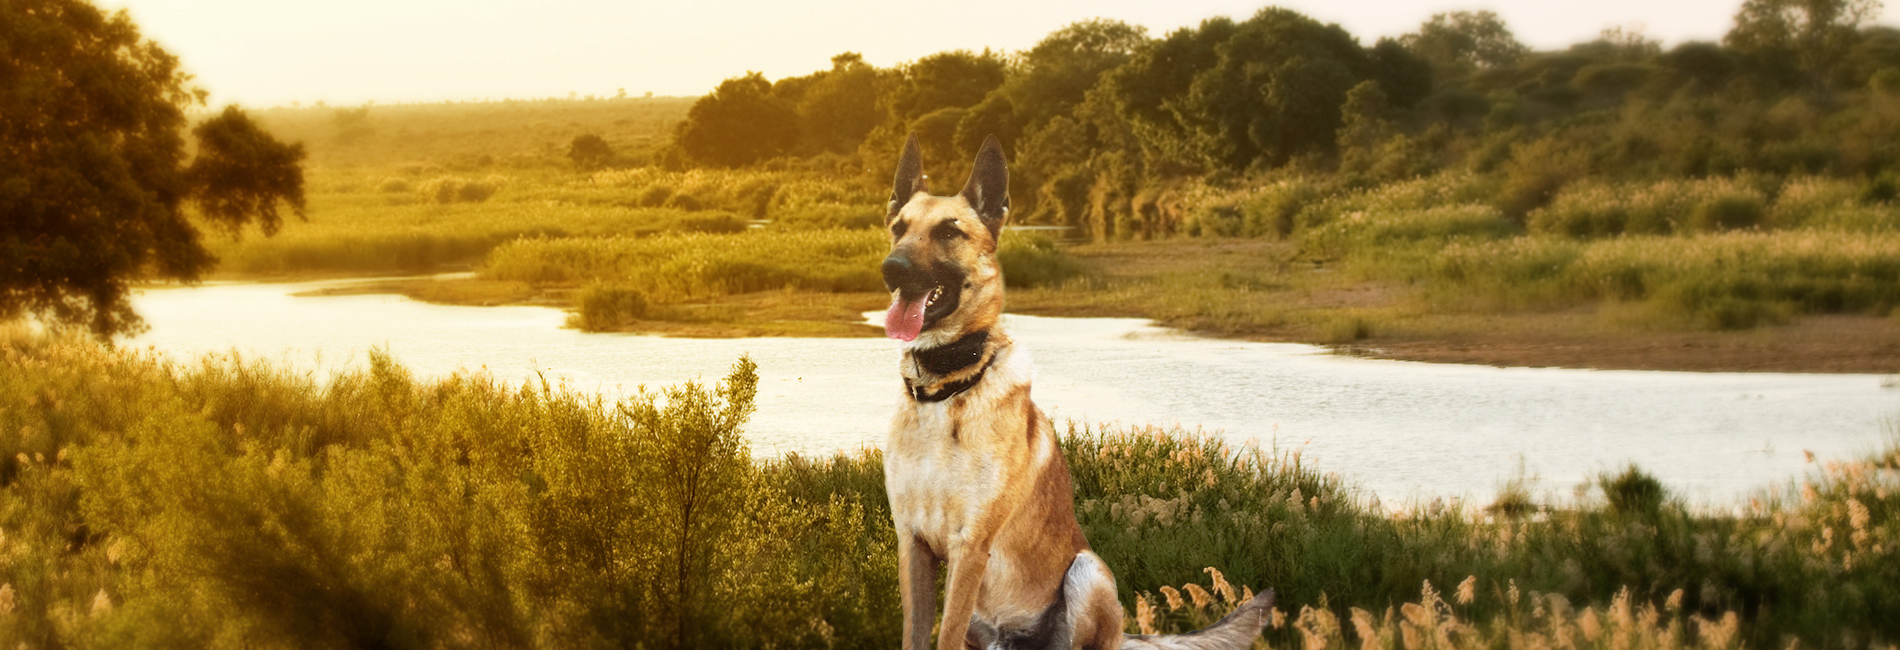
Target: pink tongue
{"x":905,"y":320}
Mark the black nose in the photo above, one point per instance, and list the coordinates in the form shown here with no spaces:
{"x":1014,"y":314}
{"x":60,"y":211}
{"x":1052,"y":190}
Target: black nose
{"x":899,"y":272}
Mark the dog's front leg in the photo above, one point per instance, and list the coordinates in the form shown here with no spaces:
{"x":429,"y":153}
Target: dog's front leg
{"x":968,"y":561}
{"x":917,"y":584}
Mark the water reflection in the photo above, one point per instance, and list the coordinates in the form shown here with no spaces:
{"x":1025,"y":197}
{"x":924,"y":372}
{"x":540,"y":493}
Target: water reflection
{"x":1401,"y":430}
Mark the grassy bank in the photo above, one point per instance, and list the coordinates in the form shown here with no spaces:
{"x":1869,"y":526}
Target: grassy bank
{"x":222,"y":502}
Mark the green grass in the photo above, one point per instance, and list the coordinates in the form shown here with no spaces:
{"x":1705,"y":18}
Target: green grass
{"x":1719,"y":281}
{"x":364,"y":232}
{"x":221,"y":502}
{"x":681,"y":267}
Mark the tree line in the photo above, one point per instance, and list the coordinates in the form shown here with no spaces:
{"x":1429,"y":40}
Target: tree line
{"x":1103,"y":122}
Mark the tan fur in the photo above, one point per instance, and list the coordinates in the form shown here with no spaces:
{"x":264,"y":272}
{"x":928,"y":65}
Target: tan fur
{"x":976,"y":480}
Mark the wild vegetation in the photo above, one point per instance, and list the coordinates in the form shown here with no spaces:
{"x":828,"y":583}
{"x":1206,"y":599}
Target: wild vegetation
{"x":224,"y":502}
{"x":1446,"y":184}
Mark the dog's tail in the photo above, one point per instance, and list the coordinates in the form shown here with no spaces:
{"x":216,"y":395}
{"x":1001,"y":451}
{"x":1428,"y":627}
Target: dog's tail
{"x":1238,"y":629}
{"x":1088,"y":585}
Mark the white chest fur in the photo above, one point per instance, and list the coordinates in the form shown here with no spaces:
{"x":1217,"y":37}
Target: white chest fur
{"x":937,"y":485}
{"x":946,"y":464}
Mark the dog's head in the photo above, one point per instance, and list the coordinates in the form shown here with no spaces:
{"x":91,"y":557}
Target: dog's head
{"x":942,"y":271}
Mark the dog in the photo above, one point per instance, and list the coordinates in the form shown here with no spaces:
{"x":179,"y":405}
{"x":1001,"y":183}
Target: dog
{"x":977,"y":483}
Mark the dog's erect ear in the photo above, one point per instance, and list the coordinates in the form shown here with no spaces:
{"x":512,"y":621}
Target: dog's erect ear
{"x":988,"y":189}
{"x":910,"y":177}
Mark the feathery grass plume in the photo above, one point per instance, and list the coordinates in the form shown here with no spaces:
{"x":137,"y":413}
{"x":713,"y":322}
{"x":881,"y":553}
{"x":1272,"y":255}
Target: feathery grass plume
{"x":1200,"y":596}
{"x":1226,"y":591}
{"x":1362,"y":624}
{"x":1173,"y":596}
{"x":1144,"y":615}
{"x":249,"y":504}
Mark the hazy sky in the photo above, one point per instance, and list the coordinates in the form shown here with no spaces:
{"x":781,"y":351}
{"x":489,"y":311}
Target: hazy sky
{"x":269,"y":52}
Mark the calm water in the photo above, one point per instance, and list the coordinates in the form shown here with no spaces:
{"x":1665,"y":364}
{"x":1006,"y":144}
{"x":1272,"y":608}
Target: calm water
{"x":1403,"y":431}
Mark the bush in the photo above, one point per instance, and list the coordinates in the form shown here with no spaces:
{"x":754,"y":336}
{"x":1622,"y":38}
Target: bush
{"x":1633,"y":492}
{"x":1803,"y":200}
{"x":393,"y":185}
{"x":1716,"y":281}
{"x":1596,"y":209}
{"x":1033,"y":260}
{"x":605,"y":308}
{"x":654,"y":196}
{"x":455,"y":189}
{"x":1727,"y":212}
{"x":1267,"y":211}
{"x":1535,"y":173}
{"x":1370,"y":232}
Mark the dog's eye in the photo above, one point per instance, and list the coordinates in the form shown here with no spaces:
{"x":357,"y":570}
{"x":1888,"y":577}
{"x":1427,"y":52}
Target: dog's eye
{"x":897,"y":231}
{"x":947,"y":231}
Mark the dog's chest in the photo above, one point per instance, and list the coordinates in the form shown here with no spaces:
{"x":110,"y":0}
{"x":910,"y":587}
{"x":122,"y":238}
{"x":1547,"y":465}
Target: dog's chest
{"x":939,"y":483}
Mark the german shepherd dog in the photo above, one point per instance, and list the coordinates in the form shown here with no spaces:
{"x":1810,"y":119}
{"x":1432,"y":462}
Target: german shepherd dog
{"x":975,"y":477}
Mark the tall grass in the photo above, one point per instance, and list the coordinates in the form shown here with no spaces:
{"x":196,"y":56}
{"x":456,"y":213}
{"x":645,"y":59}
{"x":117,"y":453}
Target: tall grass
{"x":1597,"y":209}
{"x":1720,"y":281}
{"x":787,"y":198}
{"x":364,"y":235}
{"x":676,"y":267}
{"x":225,"y":503}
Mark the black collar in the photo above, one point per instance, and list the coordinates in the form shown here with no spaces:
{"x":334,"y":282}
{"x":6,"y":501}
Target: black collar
{"x":951,"y":357}
{"x":948,"y":391}
{"x":948,"y":359}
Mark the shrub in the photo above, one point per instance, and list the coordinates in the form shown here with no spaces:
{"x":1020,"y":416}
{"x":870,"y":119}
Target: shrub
{"x":1535,"y":173}
{"x":686,"y":202}
{"x":1274,"y":212}
{"x":392,"y":185}
{"x":1720,"y":281}
{"x":1726,"y":212}
{"x":1804,"y":199}
{"x":1880,"y":189}
{"x":1596,"y":209}
{"x":1033,"y":260}
{"x":604,"y":308}
{"x":654,"y":196}
{"x":1633,"y":492}
{"x":454,"y":189}
{"x":1372,"y":231}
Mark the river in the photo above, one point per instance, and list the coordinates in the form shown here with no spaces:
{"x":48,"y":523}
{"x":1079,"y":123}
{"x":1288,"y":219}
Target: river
{"x":1403,"y":431}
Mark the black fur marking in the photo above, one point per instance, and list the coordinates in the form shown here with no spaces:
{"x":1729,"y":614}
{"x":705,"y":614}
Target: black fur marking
{"x":910,"y":177}
{"x":987,"y":192}
{"x":948,"y":390}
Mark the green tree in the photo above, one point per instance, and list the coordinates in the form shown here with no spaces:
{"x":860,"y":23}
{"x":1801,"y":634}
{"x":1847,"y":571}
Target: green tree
{"x":1460,"y":42}
{"x":837,"y":108}
{"x":741,"y":122}
{"x":1063,"y":66}
{"x":957,"y":79}
{"x":1363,"y":127}
{"x":94,"y":179}
{"x":589,"y":151}
{"x":1232,"y":94}
{"x":1814,"y":34}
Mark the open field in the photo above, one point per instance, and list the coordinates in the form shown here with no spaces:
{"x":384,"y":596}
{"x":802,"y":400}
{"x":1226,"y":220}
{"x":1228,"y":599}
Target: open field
{"x":1383,"y":273}
{"x":1528,"y":259}
{"x":245,"y":505}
